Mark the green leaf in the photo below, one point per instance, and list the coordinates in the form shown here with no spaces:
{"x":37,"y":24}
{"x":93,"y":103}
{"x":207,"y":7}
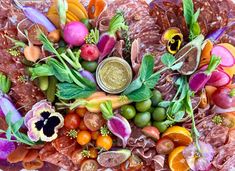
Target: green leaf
{"x":146,"y":69}
{"x":40,"y":71}
{"x":83,"y":80}
{"x":164,"y":104}
{"x":188,"y":9}
{"x":59,"y":71}
{"x":69,"y":91}
{"x":8,"y":134}
{"x":179,"y":116}
{"x":168,"y":59}
{"x":152,"y":81}
{"x":195,"y":30}
{"x":8,"y":118}
{"x":136,"y":84}
{"x":16,"y":126}
{"x":5,"y":83}
{"x":143,"y":93}
{"x":177,"y":66}
{"x":176,"y":107}
{"x":195,"y":16}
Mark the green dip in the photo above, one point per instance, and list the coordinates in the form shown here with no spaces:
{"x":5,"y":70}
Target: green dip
{"x":114,"y":75}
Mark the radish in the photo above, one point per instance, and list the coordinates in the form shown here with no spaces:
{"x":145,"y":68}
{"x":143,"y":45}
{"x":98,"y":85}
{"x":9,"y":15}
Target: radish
{"x":75,"y":33}
{"x":198,"y":80}
{"x":219,"y":78}
{"x":89,"y":52}
{"x":227,"y":59}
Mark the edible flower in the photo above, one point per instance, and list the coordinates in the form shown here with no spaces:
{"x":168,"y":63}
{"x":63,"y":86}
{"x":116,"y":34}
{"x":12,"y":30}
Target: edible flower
{"x":43,"y":122}
{"x":172,"y":38}
{"x":199,"y":160}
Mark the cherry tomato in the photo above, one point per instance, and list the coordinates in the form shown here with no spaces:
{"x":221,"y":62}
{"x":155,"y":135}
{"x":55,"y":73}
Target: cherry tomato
{"x":89,"y":52}
{"x":89,"y":165}
{"x":77,"y":157}
{"x":71,"y":121}
{"x":93,"y":121}
{"x":94,"y":135}
{"x":224,"y":97}
{"x":83,"y":137}
{"x":82,"y":126}
{"x":93,"y":153}
{"x":105,"y":142}
{"x":81,"y":112}
{"x":164,"y":146}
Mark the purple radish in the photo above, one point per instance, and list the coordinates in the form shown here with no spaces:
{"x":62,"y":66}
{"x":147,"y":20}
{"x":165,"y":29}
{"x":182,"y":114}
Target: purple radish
{"x":118,"y":125}
{"x":108,"y":40}
{"x":227,"y":58}
{"x":198,"y":80}
{"x":219,"y":78}
{"x":86,"y":74}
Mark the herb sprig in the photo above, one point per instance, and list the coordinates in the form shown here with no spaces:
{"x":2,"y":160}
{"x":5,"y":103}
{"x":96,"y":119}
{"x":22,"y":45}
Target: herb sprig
{"x":140,"y":88}
{"x":191,"y":18}
{"x":5,"y":83}
{"x":72,"y":84}
{"x":13,"y":131}
{"x":93,"y":36}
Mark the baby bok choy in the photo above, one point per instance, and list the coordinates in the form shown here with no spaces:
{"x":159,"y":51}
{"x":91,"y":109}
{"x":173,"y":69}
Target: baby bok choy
{"x":117,"y":124}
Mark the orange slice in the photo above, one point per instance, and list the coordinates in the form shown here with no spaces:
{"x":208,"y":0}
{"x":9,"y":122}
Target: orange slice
{"x":177,"y":161}
{"x":179,"y":135}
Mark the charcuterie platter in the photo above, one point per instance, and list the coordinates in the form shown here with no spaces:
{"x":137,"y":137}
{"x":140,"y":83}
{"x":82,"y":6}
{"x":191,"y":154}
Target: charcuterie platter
{"x":122,"y":85}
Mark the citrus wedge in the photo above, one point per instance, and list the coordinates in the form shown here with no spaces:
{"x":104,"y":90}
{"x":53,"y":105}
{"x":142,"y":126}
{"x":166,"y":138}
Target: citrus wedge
{"x":177,"y":161}
{"x":179,"y":135}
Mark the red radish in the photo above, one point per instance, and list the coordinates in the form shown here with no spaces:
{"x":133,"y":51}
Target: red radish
{"x":165,"y":146}
{"x":89,"y":52}
{"x":219,"y":78}
{"x":75,"y":33}
{"x":224,"y":97}
{"x":198,"y":80}
{"x":227,"y":59}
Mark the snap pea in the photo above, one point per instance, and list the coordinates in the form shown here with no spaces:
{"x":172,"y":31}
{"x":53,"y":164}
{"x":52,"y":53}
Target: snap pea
{"x":43,"y":83}
{"x":51,"y":89}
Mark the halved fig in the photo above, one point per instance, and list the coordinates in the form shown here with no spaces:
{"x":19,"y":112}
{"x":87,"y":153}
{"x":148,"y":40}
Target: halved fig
{"x":113,"y":158}
{"x":190,"y":54}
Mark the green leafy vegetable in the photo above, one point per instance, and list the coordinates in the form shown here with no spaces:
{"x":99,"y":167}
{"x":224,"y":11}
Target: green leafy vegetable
{"x":117,"y":23}
{"x":191,"y":18}
{"x":140,"y":88}
{"x":40,"y":70}
{"x":69,"y":91}
{"x":14,"y":131}
{"x":5,"y":83}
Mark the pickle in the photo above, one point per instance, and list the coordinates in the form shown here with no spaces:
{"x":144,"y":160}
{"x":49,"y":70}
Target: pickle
{"x":43,"y":83}
{"x":51,"y":89}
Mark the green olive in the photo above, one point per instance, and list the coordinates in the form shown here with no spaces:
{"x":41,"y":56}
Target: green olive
{"x":156,"y":98}
{"x":142,"y":119}
{"x":128,"y":111}
{"x":89,"y":65}
{"x":160,"y":126}
{"x":159,"y":114}
{"x":143,"y":106}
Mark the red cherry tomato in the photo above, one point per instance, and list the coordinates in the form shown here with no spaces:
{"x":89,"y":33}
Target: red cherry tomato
{"x":164,"y":146}
{"x":93,"y":121}
{"x":72,"y":121}
{"x":89,"y":52}
{"x":224,"y":97}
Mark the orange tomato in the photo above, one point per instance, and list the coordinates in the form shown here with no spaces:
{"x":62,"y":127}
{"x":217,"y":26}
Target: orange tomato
{"x":82,"y":126}
{"x":81,"y":112}
{"x":94,"y":135}
{"x":104,"y":142}
{"x":83,"y":137}
{"x":93,"y":153}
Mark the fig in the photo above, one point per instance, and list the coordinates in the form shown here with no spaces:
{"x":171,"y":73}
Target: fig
{"x":152,"y":132}
{"x":190,"y":54}
{"x":113,"y":158}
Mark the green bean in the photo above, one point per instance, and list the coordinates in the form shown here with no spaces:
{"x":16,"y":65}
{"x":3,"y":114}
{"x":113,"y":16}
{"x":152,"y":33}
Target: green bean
{"x":51,"y":89}
{"x":43,"y":83}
